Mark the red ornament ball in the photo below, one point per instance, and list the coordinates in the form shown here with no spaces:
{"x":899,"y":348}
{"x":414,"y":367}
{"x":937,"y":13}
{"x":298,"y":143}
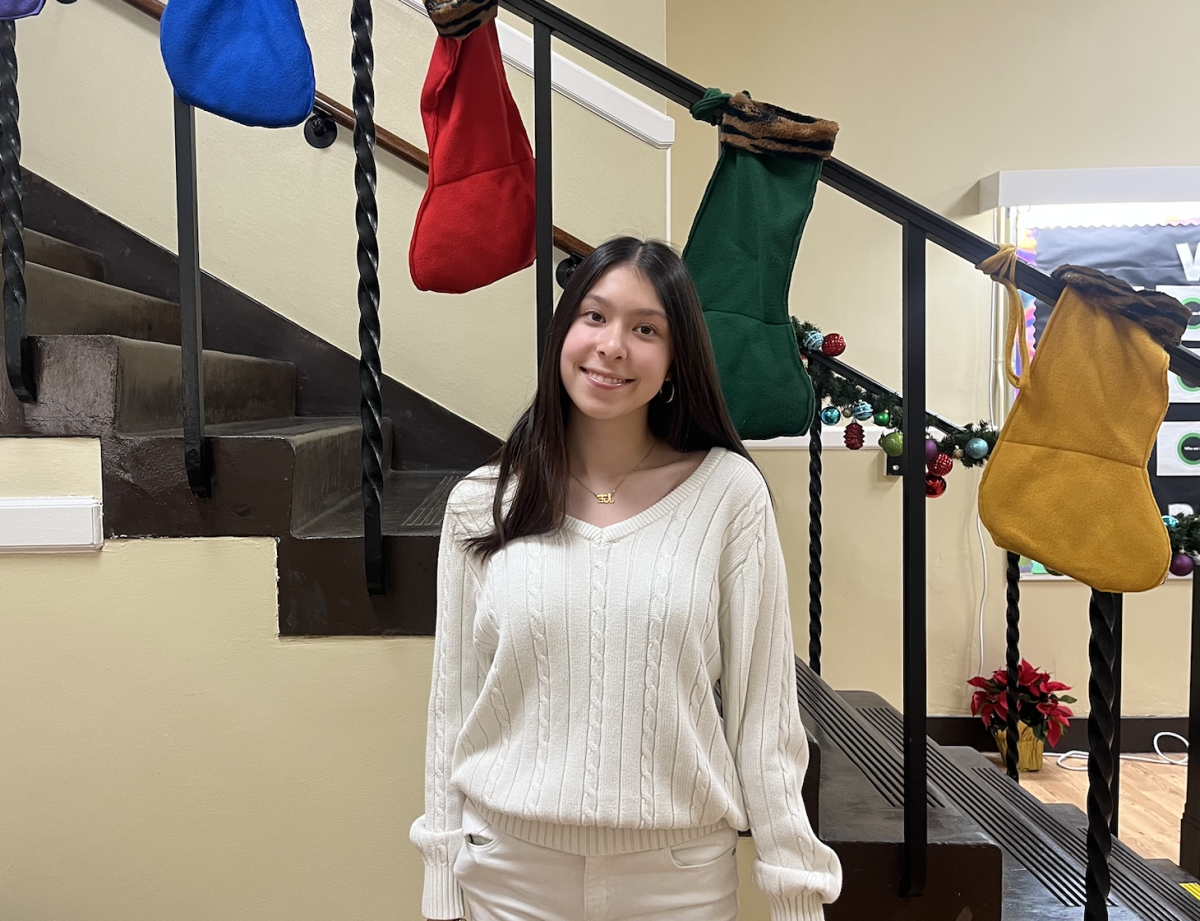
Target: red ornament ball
{"x":941,"y":465}
{"x":934,"y":486}
{"x":854,"y":433}
{"x":833,"y":345}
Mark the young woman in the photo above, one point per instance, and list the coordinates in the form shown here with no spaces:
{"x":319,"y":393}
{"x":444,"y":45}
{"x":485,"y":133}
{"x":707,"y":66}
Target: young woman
{"x":616,"y":562}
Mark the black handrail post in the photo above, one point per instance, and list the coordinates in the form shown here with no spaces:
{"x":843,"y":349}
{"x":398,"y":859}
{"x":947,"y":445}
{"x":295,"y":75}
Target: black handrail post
{"x":196,"y":454}
{"x":814,"y":539}
{"x":543,"y":138}
{"x":1012,"y":650}
{"x":18,"y":357}
{"x":1189,"y":824}
{"x":1101,"y":693}
{"x":916,"y":819}
{"x":366,"y":219}
{"x":1118,"y":654}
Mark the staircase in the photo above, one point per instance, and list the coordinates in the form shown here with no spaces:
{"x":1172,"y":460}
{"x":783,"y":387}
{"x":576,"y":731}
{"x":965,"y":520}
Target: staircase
{"x":107,"y":364}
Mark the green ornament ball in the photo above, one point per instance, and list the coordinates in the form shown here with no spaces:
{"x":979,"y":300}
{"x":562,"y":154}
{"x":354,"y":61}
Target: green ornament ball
{"x":831,"y":415}
{"x":883,"y":417}
{"x":892,"y":444}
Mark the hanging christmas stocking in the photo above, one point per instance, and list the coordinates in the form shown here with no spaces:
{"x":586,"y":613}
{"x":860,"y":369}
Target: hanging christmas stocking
{"x":741,"y":251}
{"x":245,"y":60}
{"x":476,"y":221}
{"x":19,"y":9}
{"x":1067,"y":483}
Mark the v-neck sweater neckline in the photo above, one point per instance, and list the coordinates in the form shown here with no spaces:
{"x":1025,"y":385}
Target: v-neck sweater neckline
{"x":663,"y":506}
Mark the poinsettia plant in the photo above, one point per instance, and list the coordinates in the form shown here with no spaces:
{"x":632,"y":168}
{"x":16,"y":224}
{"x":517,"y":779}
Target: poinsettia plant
{"x":1039,"y":705}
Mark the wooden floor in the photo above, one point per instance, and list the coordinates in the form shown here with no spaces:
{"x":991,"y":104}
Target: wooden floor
{"x":1152,"y":798}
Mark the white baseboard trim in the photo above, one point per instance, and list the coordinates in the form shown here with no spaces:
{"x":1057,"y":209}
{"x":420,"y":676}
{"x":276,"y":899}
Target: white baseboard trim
{"x":51,"y":524}
{"x":584,"y":87}
{"x":832,"y":439}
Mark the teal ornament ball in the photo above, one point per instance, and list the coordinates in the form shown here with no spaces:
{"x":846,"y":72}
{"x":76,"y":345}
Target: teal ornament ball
{"x":1171,"y":522}
{"x":883,"y":417}
{"x":813,"y":341}
{"x":892,"y":444}
{"x":831,"y":415}
{"x":976,"y":448}
{"x":862,"y":411}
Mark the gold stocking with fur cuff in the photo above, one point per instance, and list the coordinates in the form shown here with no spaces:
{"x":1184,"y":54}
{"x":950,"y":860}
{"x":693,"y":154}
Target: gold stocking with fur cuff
{"x":1067,"y":483}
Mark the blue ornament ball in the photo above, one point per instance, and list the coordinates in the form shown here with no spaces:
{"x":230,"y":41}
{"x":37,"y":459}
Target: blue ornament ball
{"x":1170,"y":521}
{"x":862,"y":411}
{"x":831,"y":415}
{"x":813,"y":341}
{"x":976,"y":448}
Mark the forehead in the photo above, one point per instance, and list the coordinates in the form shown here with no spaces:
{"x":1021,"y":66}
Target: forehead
{"x":623,"y":288}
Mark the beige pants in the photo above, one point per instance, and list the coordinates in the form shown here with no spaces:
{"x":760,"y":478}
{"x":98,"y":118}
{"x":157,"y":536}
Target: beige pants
{"x":506,"y":879}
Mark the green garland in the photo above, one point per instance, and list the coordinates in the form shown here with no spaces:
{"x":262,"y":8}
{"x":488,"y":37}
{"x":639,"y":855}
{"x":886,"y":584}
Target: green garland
{"x":844,"y":394}
{"x":1185,"y":536}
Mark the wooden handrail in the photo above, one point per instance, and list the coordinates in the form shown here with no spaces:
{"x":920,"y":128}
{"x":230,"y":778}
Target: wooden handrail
{"x":384,"y":139}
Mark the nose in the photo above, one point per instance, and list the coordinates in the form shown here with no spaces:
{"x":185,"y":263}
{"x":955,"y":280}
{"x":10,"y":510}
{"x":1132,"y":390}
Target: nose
{"x":612,"y":342}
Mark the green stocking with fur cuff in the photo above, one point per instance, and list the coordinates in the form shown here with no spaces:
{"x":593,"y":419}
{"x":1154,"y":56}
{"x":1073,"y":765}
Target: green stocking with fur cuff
{"x":741,"y":252}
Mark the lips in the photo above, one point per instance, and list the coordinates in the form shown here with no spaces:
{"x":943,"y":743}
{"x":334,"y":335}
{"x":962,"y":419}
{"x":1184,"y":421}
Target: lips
{"x":599,"y":378}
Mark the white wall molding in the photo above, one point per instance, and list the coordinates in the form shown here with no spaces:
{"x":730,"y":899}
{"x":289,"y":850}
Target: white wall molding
{"x":584,"y":87}
{"x":832,"y":439}
{"x":1012,"y":188}
{"x":51,"y":524}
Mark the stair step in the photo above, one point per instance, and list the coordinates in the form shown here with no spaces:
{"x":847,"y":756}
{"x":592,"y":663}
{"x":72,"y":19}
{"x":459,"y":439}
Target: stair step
{"x":862,"y":819}
{"x":63,"y":304}
{"x":66,"y":257}
{"x":1030,"y":833}
{"x":414,"y":503}
{"x":98,"y":385}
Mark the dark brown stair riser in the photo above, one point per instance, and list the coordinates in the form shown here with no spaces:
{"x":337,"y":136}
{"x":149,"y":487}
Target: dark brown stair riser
{"x":63,"y":304}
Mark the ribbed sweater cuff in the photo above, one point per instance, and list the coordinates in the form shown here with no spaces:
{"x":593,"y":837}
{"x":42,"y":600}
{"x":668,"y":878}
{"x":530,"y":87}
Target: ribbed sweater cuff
{"x":441,"y":897}
{"x":807,"y":907}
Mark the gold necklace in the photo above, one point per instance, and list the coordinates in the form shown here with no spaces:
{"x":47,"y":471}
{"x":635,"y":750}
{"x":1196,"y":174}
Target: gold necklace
{"x":608,"y":498}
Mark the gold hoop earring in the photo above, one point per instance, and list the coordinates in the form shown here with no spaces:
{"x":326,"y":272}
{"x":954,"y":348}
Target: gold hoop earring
{"x":664,"y":387}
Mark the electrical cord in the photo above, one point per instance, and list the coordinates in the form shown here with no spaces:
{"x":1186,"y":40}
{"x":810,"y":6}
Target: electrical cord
{"x":1162,"y":758}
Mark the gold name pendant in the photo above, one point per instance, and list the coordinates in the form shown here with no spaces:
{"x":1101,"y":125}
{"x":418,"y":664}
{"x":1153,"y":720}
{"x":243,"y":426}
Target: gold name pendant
{"x":604,"y":498}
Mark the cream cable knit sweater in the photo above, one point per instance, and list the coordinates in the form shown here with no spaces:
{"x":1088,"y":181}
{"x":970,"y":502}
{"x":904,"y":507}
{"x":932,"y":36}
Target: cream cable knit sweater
{"x":572,"y":696}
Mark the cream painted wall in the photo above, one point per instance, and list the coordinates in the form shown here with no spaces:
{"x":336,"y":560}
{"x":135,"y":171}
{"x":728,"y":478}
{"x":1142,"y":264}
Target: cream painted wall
{"x":167,"y":755}
{"x":49,"y":467}
{"x":931,"y":97}
{"x":277,"y":216}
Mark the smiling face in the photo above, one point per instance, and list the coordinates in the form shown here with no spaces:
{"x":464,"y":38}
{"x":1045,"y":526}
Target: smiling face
{"x":618,"y":350}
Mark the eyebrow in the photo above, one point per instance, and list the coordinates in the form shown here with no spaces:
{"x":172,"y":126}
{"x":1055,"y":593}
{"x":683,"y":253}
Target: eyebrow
{"x":640,"y":312}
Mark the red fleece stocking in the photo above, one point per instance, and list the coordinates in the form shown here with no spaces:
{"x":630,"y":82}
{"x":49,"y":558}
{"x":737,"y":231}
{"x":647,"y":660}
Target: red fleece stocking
{"x":476,"y":222}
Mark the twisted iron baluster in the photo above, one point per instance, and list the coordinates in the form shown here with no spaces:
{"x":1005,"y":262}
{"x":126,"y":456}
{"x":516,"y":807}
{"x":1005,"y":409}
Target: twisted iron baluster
{"x":814,"y":540}
{"x":1012,"y":638}
{"x":366,"y":218}
{"x":1101,"y":690}
{"x":17,"y":358}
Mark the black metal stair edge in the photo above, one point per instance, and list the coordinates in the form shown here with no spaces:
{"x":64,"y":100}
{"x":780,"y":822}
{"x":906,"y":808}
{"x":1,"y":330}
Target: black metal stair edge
{"x":1138,"y":884}
{"x":1053,"y":853}
{"x":869,"y":752}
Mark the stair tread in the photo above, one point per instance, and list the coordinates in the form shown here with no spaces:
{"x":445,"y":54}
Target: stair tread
{"x":414,"y":502}
{"x":1030,"y":834}
{"x":62,"y":303}
{"x":292,"y":427}
{"x":54,"y":253}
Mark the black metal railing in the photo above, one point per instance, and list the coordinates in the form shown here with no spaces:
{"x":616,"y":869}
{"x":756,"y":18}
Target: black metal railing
{"x":919,"y":225}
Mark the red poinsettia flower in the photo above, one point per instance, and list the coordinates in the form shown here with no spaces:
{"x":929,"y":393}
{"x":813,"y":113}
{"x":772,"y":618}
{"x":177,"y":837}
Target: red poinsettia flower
{"x":1038,"y":704}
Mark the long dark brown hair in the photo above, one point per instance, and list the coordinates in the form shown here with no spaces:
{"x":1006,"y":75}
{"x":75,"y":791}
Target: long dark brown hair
{"x":696,"y":418}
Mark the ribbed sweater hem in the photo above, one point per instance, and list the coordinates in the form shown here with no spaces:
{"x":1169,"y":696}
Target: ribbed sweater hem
{"x":592,"y":841}
{"x":808,"y":907}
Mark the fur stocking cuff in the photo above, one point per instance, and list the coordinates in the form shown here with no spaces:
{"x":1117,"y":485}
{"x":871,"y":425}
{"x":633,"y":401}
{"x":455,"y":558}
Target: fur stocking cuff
{"x":762,"y":128}
{"x":1162,"y":316}
{"x":459,"y":18}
